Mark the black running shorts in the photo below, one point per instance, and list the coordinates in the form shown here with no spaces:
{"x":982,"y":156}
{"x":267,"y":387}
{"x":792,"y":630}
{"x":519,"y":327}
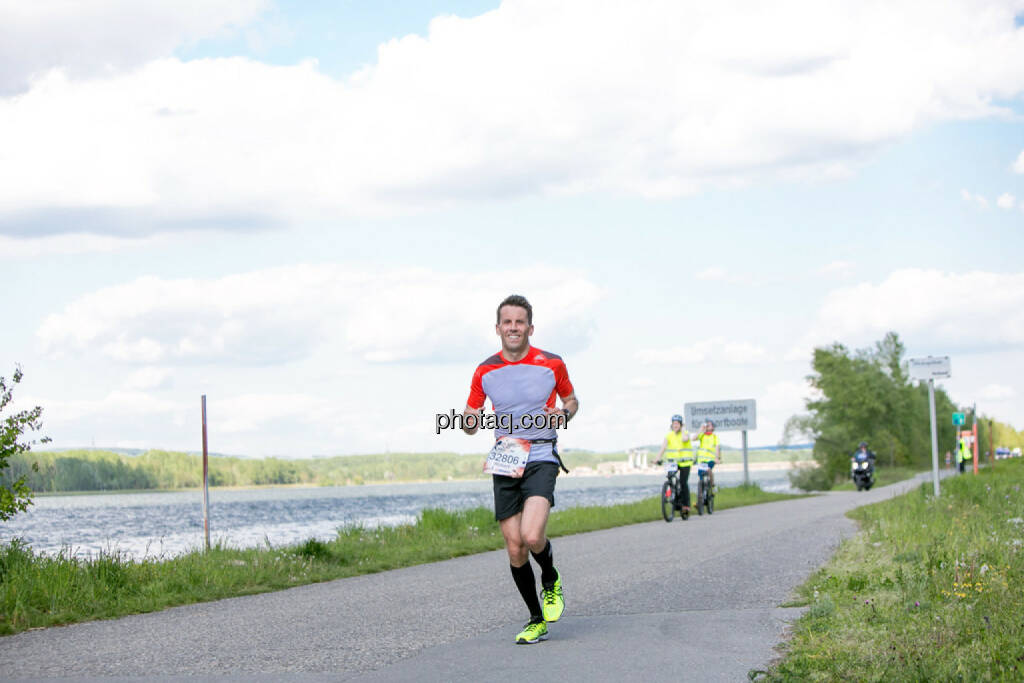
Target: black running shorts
{"x":510,"y":492}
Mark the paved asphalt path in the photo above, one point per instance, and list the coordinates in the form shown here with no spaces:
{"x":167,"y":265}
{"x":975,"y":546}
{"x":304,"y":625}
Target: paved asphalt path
{"x":694,"y":600}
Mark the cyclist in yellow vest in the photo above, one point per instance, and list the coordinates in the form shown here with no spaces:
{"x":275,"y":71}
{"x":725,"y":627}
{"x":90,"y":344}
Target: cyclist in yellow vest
{"x":678,"y":446}
{"x":709,"y":450}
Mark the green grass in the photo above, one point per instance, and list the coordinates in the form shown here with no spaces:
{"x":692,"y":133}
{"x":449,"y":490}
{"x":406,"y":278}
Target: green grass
{"x":930,"y":590}
{"x":884,"y":475}
{"x":43,"y":590}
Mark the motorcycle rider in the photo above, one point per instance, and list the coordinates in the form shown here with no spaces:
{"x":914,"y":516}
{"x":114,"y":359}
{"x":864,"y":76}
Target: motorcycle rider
{"x":864,"y":453}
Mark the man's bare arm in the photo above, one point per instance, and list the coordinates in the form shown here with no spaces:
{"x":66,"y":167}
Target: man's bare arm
{"x":569,"y":403}
{"x":471,"y":416}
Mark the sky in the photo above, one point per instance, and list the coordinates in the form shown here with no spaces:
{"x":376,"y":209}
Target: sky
{"x":308,"y":212}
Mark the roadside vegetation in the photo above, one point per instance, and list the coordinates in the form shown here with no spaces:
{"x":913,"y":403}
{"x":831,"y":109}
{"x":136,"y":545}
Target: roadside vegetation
{"x":46,"y":590}
{"x":866,"y":395}
{"x":930,"y":590}
{"x":15,"y":493}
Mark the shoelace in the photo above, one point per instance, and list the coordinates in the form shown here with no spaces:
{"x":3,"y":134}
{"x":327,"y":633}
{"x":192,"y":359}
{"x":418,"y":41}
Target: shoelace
{"x":549,"y":596}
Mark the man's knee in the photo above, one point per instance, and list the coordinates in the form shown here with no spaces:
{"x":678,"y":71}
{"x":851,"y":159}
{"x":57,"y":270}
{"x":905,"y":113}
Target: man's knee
{"x":518,"y":554}
{"x":535,"y":540}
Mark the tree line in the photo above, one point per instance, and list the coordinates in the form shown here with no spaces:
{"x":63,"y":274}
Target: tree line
{"x":97,"y":470}
{"x":866,"y":395}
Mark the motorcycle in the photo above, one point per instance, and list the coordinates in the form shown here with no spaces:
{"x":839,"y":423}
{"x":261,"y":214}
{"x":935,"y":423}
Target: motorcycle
{"x":862,"y":472}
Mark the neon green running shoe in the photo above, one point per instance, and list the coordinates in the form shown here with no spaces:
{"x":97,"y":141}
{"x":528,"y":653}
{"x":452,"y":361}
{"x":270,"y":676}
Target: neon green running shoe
{"x":533,"y":632}
{"x":551,"y":600}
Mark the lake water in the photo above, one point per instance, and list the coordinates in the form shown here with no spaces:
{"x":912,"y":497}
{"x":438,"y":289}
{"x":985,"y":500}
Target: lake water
{"x":170,"y":523}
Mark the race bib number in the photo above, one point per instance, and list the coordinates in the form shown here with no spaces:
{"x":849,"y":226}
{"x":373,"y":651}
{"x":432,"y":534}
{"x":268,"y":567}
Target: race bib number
{"x":508,"y":457}
{"x":703,"y":467}
{"x":671,"y":466}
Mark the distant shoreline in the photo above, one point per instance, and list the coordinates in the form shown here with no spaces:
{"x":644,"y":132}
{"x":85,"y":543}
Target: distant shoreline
{"x":618,"y":470}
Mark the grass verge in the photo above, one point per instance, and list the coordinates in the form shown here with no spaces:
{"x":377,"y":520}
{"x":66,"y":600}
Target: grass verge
{"x":44,"y":590}
{"x":929,"y":590}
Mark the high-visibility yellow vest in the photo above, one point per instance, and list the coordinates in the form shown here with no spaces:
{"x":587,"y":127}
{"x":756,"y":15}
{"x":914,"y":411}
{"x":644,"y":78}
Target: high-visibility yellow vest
{"x":965,"y":450}
{"x":679,"y":447}
{"x":708,"y":448}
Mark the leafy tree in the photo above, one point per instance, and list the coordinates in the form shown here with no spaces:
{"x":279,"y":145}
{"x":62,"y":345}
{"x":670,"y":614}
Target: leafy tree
{"x":15,"y":496}
{"x":866,"y":395}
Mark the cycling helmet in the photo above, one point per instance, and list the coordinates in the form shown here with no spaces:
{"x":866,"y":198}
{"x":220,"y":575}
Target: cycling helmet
{"x":677,"y":418}
{"x":862,"y":444}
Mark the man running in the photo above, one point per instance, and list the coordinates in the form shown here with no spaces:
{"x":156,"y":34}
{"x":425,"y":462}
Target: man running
{"x":522,"y":382}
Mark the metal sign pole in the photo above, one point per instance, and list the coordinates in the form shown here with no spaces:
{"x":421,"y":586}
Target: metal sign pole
{"x":746,"y":474}
{"x":206,"y":483}
{"x":935,"y":436}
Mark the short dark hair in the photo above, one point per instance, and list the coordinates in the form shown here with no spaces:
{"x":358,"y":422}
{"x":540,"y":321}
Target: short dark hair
{"x":515,"y":300}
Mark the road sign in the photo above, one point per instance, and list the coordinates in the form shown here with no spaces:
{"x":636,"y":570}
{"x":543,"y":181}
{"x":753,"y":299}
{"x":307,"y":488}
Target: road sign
{"x":959,"y":419}
{"x":932,"y":367}
{"x":728,"y":416}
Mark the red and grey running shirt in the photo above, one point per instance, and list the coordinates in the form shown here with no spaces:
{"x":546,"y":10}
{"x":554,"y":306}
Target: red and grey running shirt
{"x":522,"y":388}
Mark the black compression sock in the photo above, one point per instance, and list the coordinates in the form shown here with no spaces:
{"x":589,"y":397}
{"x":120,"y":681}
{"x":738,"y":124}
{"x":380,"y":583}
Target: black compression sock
{"x":528,"y":589}
{"x":546,"y":560}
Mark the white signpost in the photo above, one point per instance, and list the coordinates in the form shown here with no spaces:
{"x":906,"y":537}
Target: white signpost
{"x":931,"y":369}
{"x":728,"y":416}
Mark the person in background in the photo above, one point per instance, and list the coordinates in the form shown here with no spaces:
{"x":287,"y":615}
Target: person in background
{"x":709,"y":450}
{"x":679,"y":447}
{"x":963,"y":454}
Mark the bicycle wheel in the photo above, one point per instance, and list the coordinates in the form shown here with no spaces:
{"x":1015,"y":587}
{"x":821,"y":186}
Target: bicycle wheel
{"x":710,"y":503}
{"x":700,"y":496}
{"x":667,"y":501}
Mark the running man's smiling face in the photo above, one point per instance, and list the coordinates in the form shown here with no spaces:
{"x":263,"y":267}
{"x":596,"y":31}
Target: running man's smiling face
{"x":514,"y":329}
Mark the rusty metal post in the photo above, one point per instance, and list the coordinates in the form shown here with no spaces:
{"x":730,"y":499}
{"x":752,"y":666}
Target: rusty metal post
{"x":206,"y":482}
{"x":974,"y":429}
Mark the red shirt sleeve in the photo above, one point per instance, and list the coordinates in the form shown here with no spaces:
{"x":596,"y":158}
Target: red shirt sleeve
{"x":476,"y":390}
{"x":562,"y":384}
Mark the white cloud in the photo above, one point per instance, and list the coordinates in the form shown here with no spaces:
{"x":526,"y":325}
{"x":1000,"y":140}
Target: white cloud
{"x":777,"y":402}
{"x":981,"y":202}
{"x":717,"y":349}
{"x":14,"y":248}
{"x":971,"y":310}
{"x":837,"y":268}
{"x":642,"y":383}
{"x":996,"y":392}
{"x":277,"y":315}
{"x":98,"y":38}
{"x":685,"y":97}
{"x":253,"y":412}
{"x":1006,"y":201}
{"x":148,"y":379}
{"x":1018,"y":165}
{"x":116,"y":404}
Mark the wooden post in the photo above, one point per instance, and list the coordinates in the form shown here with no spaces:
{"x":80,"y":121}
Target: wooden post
{"x":991,"y":450}
{"x":206,"y":482}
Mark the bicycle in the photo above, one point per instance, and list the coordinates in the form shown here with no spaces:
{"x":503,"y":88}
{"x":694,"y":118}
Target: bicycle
{"x":705,"y":490}
{"x":671,"y":491}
